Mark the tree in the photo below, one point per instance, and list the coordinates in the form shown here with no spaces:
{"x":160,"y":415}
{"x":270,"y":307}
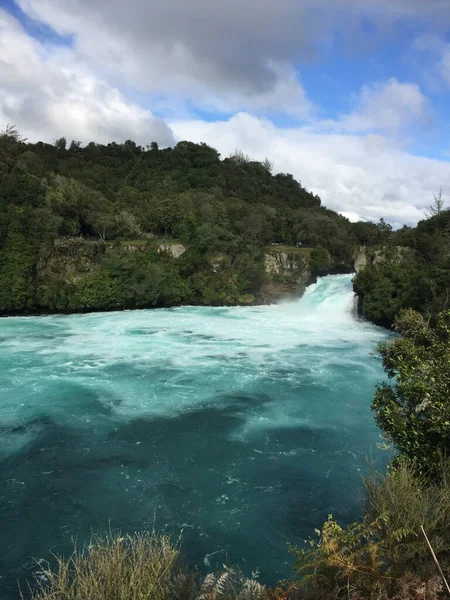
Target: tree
{"x":11,"y":133}
{"x":167,"y":213}
{"x":102,"y":223}
{"x":74,"y":146}
{"x":127,"y":224}
{"x":239,"y":158}
{"x":435,"y":209}
{"x":268,"y":165}
{"x":320,"y":260}
{"x":414,"y":409}
{"x":99,"y":215}
{"x":60,"y":144}
{"x":385,"y":229}
{"x":367,"y":233}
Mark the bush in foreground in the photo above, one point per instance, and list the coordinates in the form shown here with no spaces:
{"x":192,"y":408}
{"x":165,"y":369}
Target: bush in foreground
{"x":385,"y":556}
{"x":142,"y":566}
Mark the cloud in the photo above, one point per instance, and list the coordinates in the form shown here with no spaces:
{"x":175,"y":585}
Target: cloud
{"x":49,"y":94}
{"x":388,"y":106}
{"x":225,"y":56}
{"x":439,"y":50}
{"x":234,"y":55}
{"x":362,"y":176}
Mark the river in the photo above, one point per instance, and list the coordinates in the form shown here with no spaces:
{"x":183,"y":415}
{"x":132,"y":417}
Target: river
{"x":243,"y":427}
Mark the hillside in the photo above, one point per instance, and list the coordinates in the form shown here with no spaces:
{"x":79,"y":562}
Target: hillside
{"x":72,"y":218}
{"x":411,"y":270}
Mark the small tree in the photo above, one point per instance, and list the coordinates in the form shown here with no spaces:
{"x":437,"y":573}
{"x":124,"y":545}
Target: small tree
{"x":435,"y":209}
{"x":74,"y":146}
{"x":320,"y":260}
{"x":167,"y":214}
{"x":268,"y":165}
{"x":11,"y":133}
{"x":61,"y":143}
{"x":239,"y":158}
{"x":414,"y":409}
{"x":384,"y":228}
{"x":102,"y":223}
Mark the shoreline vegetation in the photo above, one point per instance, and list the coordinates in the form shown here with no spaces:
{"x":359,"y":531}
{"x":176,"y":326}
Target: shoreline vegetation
{"x":289,"y":280}
{"x":81,"y":229}
{"x":226,"y":213}
{"x":249,"y":236}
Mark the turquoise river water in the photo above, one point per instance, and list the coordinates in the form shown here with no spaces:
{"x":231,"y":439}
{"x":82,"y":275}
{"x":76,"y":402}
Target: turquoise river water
{"x":244,"y":427}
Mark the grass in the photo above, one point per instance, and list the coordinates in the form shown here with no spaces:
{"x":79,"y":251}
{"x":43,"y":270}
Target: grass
{"x":143,"y":566}
{"x":290,"y":249}
{"x":113,"y":568}
{"x":157,"y":241}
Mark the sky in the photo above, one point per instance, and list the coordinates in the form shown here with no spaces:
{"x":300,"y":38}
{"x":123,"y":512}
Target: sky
{"x":350,"y":96}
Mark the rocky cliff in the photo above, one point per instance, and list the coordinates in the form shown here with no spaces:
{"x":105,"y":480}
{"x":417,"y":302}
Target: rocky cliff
{"x":288,"y":273}
{"x":371,"y":256}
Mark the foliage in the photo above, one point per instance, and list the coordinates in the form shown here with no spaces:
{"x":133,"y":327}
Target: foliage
{"x":414,"y":272}
{"x":142,"y":566}
{"x":414,"y":410}
{"x":320,"y":260}
{"x":385,"y":555}
{"x":114,"y":567}
{"x":110,"y":193}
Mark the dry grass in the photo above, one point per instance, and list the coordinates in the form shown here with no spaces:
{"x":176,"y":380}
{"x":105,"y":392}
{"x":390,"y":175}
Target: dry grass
{"x":144,"y":566}
{"x":139,"y":567}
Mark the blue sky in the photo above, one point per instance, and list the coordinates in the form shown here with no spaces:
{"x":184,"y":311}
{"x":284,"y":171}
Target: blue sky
{"x":350,"y":96}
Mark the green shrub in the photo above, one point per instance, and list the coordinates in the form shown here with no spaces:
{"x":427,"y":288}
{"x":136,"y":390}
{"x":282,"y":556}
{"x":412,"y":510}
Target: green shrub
{"x":385,"y":553}
{"x":414,"y":410}
{"x":320,"y":260}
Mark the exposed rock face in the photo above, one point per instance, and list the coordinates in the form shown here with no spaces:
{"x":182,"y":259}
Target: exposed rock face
{"x":174,"y":250}
{"x":361,"y":259}
{"x":371,"y":257}
{"x":288,"y":274}
{"x":70,"y":257}
{"x":135,"y":248}
{"x":220,"y":261}
{"x":281,"y":262}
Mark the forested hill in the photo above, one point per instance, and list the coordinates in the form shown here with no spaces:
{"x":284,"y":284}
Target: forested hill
{"x":67,"y":212}
{"x":411,"y":270}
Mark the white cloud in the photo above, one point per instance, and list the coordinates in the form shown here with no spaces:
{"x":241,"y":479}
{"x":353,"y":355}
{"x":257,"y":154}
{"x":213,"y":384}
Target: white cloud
{"x":388,"y":106}
{"x":364,"y":177}
{"x":223,"y":57}
{"x":49,"y":94}
{"x":354,"y":164}
{"x":230,"y":56}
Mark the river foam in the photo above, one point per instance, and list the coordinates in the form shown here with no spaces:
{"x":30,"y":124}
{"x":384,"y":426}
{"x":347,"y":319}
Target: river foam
{"x":245,"y":426}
